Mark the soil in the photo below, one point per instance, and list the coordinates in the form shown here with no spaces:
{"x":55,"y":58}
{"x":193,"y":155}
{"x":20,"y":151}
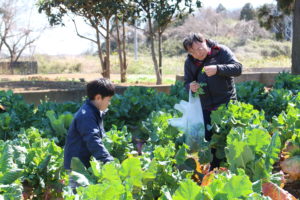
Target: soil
{"x":293,"y":188}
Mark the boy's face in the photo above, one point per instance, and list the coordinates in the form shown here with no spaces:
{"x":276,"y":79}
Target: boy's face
{"x":102,"y":103}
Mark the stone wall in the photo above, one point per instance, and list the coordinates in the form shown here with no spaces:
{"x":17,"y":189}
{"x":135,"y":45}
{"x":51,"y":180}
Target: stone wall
{"x":24,"y":67}
{"x":72,"y":95}
{"x":266,"y":78}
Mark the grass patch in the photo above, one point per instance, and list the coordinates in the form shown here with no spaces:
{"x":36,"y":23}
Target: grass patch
{"x":251,"y":53}
{"x":146,"y":79}
{"x":280,"y":61}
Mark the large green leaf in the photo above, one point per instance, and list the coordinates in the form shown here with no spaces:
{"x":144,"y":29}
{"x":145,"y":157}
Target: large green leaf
{"x":258,"y":139}
{"x":238,"y":186}
{"x":228,"y":186}
{"x":6,"y":160}
{"x":96,"y":168}
{"x":259,"y":170}
{"x":164,"y":153}
{"x":188,"y":189}
{"x":10,"y":176}
{"x":272,"y":153}
{"x":181,"y":154}
{"x":20,"y":154}
{"x":11,"y":191}
{"x":204,"y":154}
{"x":68,"y":118}
{"x":106,"y":190}
{"x":42,"y":167}
{"x":151,"y":171}
{"x":110,"y":172}
{"x":77,"y":166}
{"x":131,"y":171}
{"x":238,"y":155}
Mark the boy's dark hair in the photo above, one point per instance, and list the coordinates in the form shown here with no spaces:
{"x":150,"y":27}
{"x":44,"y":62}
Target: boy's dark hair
{"x":191,"y":38}
{"x":100,"y":86}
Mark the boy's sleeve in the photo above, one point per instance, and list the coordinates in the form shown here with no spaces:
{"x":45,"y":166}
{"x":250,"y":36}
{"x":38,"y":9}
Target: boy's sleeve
{"x":88,"y":129}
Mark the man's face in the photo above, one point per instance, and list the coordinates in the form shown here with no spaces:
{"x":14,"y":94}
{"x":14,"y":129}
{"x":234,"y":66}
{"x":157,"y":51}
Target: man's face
{"x":199,"y":50}
{"x":102,"y":103}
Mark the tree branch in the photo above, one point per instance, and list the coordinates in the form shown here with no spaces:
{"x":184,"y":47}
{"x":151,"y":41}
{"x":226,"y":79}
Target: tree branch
{"x":84,"y":37}
{"x":95,"y":26}
{"x":24,"y":47}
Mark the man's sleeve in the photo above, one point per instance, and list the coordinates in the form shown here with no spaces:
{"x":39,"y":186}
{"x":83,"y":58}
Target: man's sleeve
{"x":188,"y":76}
{"x":88,"y":129}
{"x":230,"y":65}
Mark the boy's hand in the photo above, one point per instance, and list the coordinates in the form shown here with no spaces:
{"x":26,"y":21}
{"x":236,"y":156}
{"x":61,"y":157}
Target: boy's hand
{"x":210,"y":70}
{"x":194,"y":86}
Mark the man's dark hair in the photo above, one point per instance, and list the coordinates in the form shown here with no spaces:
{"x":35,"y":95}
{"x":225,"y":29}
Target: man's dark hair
{"x":191,"y":38}
{"x":100,"y":86}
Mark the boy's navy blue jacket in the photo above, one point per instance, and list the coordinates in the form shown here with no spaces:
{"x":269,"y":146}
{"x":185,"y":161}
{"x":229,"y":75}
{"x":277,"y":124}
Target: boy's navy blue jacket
{"x":219,"y":88}
{"x":84,"y":137}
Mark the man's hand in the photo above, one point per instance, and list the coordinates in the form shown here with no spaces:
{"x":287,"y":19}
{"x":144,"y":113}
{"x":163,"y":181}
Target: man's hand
{"x":194,"y":86}
{"x":210,"y":70}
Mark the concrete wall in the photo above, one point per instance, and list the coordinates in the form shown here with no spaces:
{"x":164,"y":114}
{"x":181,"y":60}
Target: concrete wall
{"x":22,"y":67}
{"x":267,"y":78}
{"x":269,"y":69}
{"x":72,"y":95}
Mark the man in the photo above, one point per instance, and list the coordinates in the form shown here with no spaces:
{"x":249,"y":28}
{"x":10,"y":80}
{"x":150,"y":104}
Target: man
{"x":215,"y":65}
{"x":85,"y":134}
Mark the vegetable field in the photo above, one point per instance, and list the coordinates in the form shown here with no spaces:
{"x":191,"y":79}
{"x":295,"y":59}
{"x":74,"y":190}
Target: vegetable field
{"x":257,"y":138}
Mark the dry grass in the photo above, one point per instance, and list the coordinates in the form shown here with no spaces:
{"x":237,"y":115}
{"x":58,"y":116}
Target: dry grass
{"x":251,"y":53}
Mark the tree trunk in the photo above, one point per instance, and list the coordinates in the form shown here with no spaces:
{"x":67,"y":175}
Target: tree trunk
{"x":119,"y":48}
{"x":296,"y":39}
{"x":123,"y":74}
{"x":12,"y":59}
{"x":11,"y":64}
{"x":100,"y":55}
{"x":106,"y":72}
{"x":160,"y":52}
{"x":1,"y":44}
{"x":154,"y":59}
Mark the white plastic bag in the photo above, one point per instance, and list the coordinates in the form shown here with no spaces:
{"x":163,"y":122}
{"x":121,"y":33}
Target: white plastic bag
{"x":191,"y":122}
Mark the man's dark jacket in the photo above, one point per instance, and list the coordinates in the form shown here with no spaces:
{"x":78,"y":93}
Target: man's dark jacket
{"x":220,"y":88}
{"x":84,"y":137}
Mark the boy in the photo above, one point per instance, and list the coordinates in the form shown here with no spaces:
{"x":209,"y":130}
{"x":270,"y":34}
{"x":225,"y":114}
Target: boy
{"x":85,"y":134}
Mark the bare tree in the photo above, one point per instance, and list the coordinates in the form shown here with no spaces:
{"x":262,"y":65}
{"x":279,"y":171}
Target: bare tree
{"x":212,"y":24}
{"x":16,"y":36}
{"x":5,"y":23}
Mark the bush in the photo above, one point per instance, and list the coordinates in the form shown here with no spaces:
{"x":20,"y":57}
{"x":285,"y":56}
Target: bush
{"x":276,"y":102}
{"x":287,"y":81}
{"x":172,"y":47}
{"x":135,"y":105}
{"x":251,"y":92}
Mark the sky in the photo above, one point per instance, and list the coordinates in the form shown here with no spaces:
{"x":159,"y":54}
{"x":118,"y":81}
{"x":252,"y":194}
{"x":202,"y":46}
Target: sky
{"x":64,"y":41}
{"x":234,"y":4}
